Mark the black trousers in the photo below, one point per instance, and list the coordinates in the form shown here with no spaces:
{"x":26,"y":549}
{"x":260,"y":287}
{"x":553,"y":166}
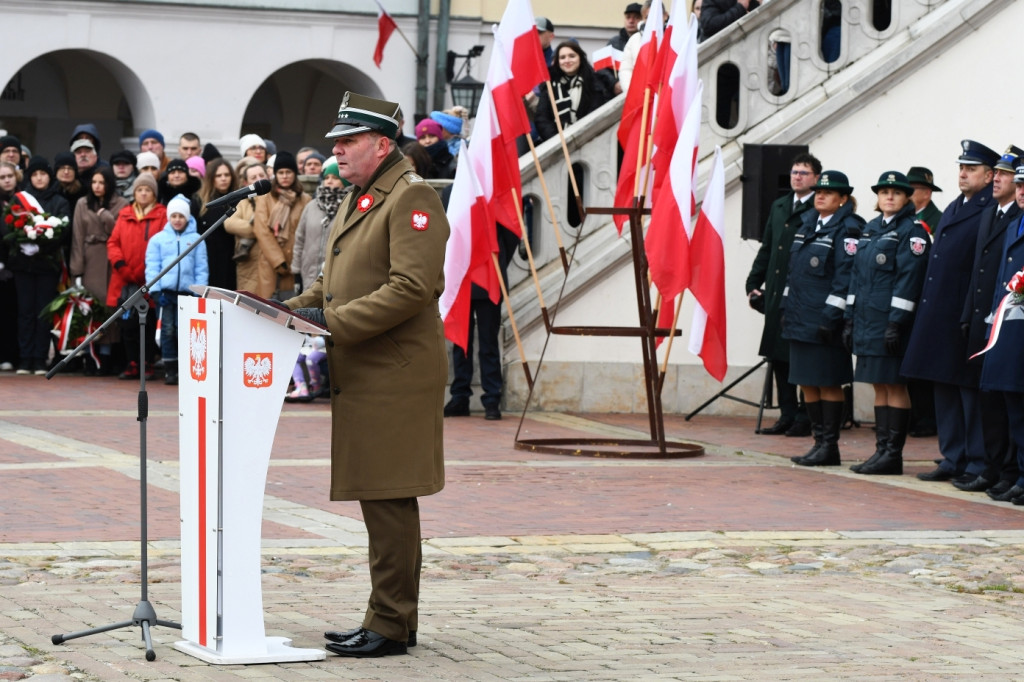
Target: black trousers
{"x":35,"y":290}
{"x":395,"y":561}
{"x":487,"y":316}
{"x":787,"y":394}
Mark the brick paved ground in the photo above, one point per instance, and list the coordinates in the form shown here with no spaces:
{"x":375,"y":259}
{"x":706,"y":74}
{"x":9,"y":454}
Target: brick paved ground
{"x":733,"y":566}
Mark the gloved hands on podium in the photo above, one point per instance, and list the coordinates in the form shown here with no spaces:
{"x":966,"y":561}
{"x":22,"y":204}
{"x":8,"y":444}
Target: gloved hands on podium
{"x":314,"y":315}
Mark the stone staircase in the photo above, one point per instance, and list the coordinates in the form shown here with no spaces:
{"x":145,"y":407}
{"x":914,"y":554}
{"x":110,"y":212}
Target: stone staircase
{"x":872,"y":61}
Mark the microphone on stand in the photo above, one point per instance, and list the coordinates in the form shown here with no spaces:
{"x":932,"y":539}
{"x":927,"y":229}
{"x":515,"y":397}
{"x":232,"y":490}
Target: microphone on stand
{"x":257,"y":188}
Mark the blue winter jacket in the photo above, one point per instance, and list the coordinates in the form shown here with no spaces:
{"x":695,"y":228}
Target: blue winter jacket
{"x":164,"y":247}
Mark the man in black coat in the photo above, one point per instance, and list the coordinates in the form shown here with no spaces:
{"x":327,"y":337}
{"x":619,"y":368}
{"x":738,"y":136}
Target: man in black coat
{"x":767,"y":280}
{"x":937,"y":350}
{"x":717,"y":14}
{"x":1000,"y":455}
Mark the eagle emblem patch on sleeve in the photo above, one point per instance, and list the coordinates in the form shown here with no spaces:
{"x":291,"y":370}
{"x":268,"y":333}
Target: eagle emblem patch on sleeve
{"x":420,"y":220}
{"x":850,"y":246}
{"x":917,"y":245}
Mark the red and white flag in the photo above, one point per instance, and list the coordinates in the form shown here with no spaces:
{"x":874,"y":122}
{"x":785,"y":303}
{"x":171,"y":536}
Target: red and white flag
{"x":667,"y":243}
{"x":607,"y":58}
{"x":467,"y":257}
{"x":707,"y":275}
{"x":633,"y":120}
{"x":518,"y":33}
{"x":496,"y":166}
{"x":385,"y":27}
{"x":678,"y":96}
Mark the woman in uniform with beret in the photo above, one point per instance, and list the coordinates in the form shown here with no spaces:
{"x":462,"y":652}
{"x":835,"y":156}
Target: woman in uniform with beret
{"x":888,"y":273}
{"x":813,"y":305}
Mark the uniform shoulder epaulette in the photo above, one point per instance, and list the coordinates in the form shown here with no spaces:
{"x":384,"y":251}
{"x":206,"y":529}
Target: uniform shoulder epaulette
{"x":411,"y":177}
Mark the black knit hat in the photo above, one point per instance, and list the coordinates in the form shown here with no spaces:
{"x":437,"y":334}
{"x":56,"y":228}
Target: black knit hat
{"x":38,"y":163}
{"x":65,"y":159}
{"x":10,"y":141}
{"x":177,"y":164}
{"x":125,"y":155}
{"x":285,"y":160}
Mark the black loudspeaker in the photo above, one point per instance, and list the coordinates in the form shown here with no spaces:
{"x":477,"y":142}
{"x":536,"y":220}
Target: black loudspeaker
{"x":765,"y":178}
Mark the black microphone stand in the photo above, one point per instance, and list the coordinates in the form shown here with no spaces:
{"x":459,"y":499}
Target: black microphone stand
{"x":144,"y":615}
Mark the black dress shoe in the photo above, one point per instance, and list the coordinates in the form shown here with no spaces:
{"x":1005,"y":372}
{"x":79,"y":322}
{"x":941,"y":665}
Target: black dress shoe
{"x":367,"y":644}
{"x":799,"y":430}
{"x":936,"y":474}
{"x":778,"y":428}
{"x":492,"y":413}
{"x":999,"y":489}
{"x":1014,"y":492}
{"x":456,"y":408}
{"x":335,"y":636}
{"x":976,"y":485}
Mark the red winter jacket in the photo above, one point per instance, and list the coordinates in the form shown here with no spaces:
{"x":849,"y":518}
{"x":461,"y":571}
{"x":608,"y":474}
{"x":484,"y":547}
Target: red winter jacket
{"x":126,"y":248}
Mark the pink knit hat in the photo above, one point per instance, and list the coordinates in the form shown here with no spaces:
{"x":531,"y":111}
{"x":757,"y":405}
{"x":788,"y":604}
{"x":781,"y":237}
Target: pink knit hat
{"x":428,"y":127}
{"x":196,"y":163}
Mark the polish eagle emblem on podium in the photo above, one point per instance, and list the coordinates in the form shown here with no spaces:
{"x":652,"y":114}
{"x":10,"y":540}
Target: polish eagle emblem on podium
{"x":197,"y":349}
{"x":258,"y":370}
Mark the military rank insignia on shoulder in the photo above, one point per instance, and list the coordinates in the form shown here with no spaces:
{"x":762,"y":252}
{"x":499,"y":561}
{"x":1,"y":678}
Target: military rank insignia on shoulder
{"x":412,"y":177}
{"x":917,"y":245}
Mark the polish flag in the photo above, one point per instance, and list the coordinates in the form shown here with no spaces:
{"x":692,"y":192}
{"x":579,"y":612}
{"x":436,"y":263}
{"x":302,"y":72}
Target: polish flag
{"x":667,"y":243}
{"x":633,"y":120}
{"x":467,"y":257}
{"x":385,"y":27}
{"x":678,"y":96}
{"x":496,"y":166}
{"x":518,"y":32}
{"x":707,"y":264}
{"x":508,"y":104}
{"x":607,"y":58}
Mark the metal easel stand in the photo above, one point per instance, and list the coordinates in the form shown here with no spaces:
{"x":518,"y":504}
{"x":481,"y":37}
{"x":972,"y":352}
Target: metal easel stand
{"x":648,"y":332}
{"x":766,"y":394}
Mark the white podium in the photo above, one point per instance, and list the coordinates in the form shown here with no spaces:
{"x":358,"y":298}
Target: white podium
{"x":236,"y":354}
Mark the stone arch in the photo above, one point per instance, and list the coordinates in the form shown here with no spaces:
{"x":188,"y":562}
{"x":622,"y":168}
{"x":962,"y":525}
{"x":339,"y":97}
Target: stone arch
{"x":297,"y":103}
{"x":53,"y":92}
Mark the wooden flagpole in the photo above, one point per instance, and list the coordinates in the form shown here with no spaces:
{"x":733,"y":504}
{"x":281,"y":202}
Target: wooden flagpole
{"x":512,"y":320}
{"x":565,"y":150}
{"x":551,"y":206}
{"x":529,"y":258}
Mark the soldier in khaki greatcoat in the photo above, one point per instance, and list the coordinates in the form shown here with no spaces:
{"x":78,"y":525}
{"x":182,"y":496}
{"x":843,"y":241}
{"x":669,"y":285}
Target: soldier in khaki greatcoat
{"x":378,"y":295}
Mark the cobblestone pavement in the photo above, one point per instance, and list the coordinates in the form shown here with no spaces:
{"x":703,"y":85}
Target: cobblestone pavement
{"x":731,"y":566}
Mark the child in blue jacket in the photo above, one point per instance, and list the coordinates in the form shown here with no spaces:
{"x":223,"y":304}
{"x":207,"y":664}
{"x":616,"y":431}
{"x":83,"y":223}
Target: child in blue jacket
{"x":179,"y":233}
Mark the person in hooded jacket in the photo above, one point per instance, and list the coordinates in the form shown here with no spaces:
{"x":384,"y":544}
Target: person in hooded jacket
{"x":813,"y":304}
{"x":888,"y":274}
{"x":40,"y":183}
{"x":136,"y":224}
{"x":178,"y":234}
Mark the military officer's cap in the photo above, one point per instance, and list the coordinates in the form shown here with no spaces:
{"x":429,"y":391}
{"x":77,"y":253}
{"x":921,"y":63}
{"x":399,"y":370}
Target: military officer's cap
{"x":360,"y":114}
{"x":893,"y":179}
{"x":922,"y":176}
{"x":1010,"y":159}
{"x":975,"y":153}
{"x":1019,"y":177}
{"x":834,"y":180}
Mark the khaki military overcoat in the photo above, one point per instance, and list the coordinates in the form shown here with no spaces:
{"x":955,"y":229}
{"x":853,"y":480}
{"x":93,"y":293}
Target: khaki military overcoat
{"x":382,"y":278}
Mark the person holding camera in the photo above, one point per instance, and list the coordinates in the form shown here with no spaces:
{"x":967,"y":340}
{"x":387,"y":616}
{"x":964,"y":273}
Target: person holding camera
{"x":767,"y":280}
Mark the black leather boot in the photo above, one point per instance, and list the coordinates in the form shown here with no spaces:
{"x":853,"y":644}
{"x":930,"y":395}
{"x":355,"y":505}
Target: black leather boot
{"x":814,"y":414}
{"x":881,"y":437}
{"x":831,"y":423}
{"x":891,"y":462}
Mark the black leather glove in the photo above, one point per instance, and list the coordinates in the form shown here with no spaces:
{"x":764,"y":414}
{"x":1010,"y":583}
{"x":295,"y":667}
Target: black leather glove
{"x":756,"y":302}
{"x":892,"y":338}
{"x":965,"y":329}
{"x":824,"y":335}
{"x":848,"y":336}
{"x":314,"y":315}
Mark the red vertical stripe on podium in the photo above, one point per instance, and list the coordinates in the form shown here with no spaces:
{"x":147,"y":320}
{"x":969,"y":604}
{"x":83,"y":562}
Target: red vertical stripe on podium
{"x":201,"y":412}
{"x":202,"y":306}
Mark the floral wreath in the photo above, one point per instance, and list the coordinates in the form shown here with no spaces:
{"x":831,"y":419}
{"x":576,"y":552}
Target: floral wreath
{"x":26,"y":221}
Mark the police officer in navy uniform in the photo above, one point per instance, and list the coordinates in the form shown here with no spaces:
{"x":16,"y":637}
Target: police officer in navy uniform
{"x":814,"y":302}
{"x":888,"y":272}
{"x":1002,"y":370}
{"x":766,"y":281}
{"x":1000,"y":460}
{"x":937,"y":349}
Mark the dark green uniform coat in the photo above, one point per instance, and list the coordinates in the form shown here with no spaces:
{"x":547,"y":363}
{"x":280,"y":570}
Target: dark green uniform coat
{"x":382,"y":277}
{"x":771,"y":268}
{"x":930,"y":216}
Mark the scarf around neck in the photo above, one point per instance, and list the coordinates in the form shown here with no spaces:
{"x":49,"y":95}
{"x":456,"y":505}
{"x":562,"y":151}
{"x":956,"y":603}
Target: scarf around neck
{"x":568,"y":92}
